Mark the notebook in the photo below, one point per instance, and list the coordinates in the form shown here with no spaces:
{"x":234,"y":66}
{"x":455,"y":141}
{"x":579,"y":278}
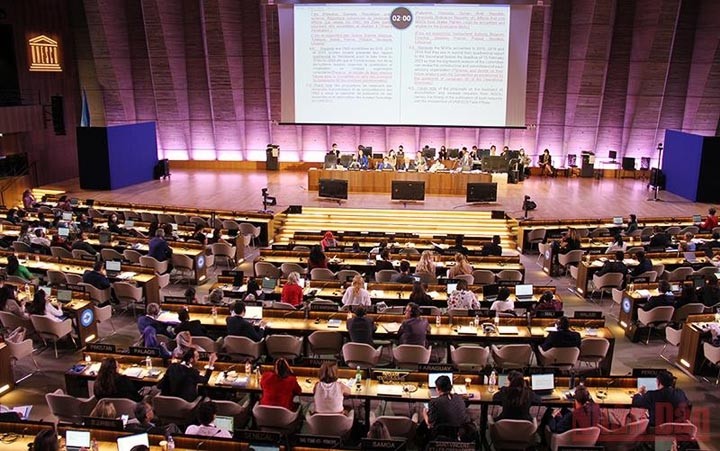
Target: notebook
{"x":389,"y":390}
{"x":391,"y":327}
{"x":432,"y":378}
{"x":524,"y":292}
{"x":74,"y":440}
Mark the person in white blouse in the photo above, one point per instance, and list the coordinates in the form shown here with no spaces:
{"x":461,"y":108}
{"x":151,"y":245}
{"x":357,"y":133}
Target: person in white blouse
{"x":462,"y":298}
{"x":617,"y":245}
{"x":205,"y":413}
{"x":356,"y":294}
{"x":503,"y":303}
{"x":41,"y":306}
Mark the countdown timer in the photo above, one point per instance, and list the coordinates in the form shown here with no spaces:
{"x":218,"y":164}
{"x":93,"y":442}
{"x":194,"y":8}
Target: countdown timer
{"x":401,"y":18}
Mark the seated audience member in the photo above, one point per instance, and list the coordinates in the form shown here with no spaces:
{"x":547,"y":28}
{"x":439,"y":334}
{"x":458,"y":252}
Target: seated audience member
{"x":182,"y":378}
{"x":170,"y":232}
{"x":667,"y":404}
{"x":447,"y":413}
{"x":104,"y":409}
{"x":25,"y":235}
{"x":14,"y":268}
{"x":360,"y":327}
{"x":404,"y":275}
{"x":40,"y":239}
{"x":111,"y":384}
{"x":40,"y":305}
{"x":28,"y":199}
{"x":426,"y":264}
{"x":238,"y":326}
{"x":618,"y":244}
{"x":85,"y":223}
{"x":414,"y":329}
{"x":80,"y":244}
{"x":96,"y":277}
{"x":563,"y":337}
{"x":150,"y":340}
{"x":150,"y":318}
{"x":420,"y":163}
{"x":616,"y":265}
{"x":687,"y":244}
{"x":659,"y":239}
{"x":664,"y":298}
{"x":329,"y":241}
{"x":570,"y":241}
{"x":9,"y":302}
{"x":459,"y":247}
{"x":462,"y":298}
{"x":292,"y":292}
{"x":644,"y":265}
{"x":113,"y":224}
{"x":378,"y":431}
{"x":419,"y":296}
{"x":186,"y":324}
{"x":688,"y":295}
{"x":632,"y":225}
{"x":205,"y":413}
{"x":329,"y":392}
{"x":548,"y":302}
{"x":503,"y":302}
{"x":516,"y":398}
{"x":143,"y":422}
{"x":61,"y":241}
{"x":461,"y":267}
{"x":279,"y":386}
{"x":317,"y":258}
{"x":384,"y":262}
{"x":709,"y":294}
{"x":183,"y":342}
{"x":710,"y":245}
{"x":356,"y":249}
{"x":199,"y":234}
{"x":356,"y":294}
{"x":492,"y":248}
{"x":585,"y":414}
{"x":711,"y":220}
{"x":159,"y":249}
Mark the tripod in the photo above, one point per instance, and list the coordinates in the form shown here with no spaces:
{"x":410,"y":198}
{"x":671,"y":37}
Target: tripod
{"x":658,"y":174}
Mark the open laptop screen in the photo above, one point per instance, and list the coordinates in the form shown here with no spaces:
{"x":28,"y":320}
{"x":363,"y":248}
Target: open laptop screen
{"x":524,"y":290}
{"x":112,"y":265}
{"x":77,"y":439}
{"x":432,"y":378}
{"x":129,"y":442}
{"x":541,"y":382}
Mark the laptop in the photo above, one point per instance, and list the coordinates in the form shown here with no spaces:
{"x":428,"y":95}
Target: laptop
{"x":113,"y":268}
{"x":268,"y":285}
{"x":253,"y":312}
{"x":451,"y":286}
{"x":63,"y":232}
{"x":432,"y":378}
{"x":64,"y":295}
{"x":67,"y":216}
{"x":129,"y":442}
{"x":74,"y":201}
{"x":490,"y":292}
{"x":618,"y":221}
{"x":524,"y":292}
{"x":225,"y":423}
{"x":690,"y":257}
{"x":129,"y":223}
{"x":697,"y":219}
{"x":301,"y":282}
{"x":543,"y":384}
{"x":47,"y":290}
{"x":263,"y":447}
{"x":75,"y":440}
{"x":648,"y":382}
{"x":502,"y":380}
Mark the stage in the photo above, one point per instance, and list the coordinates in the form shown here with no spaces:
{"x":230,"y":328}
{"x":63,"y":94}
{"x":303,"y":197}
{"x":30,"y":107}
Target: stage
{"x":557,"y":198}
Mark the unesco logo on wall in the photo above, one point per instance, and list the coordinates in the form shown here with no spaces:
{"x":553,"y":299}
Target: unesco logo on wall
{"x":44,"y":56}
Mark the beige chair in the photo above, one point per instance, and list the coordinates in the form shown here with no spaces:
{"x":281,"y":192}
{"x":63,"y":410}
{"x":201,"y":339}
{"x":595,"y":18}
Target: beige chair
{"x":469,"y":357}
{"x":56,"y":278}
{"x":626,"y":437}
{"x":672,"y":338}
{"x":146,"y":216}
{"x":573,"y":270}
{"x":650,"y":276}
{"x":132,"y":256}
{"x":606,"y":282}
{"x":225,"y":251}
{"x":171,"y":409}
{"x":111,"y":254}
{"x":679,"y":274}
{"x":361,"y":355}
{"x":322,"y":274}
{"x":690,"y":229}
{"x":276,"y":419}
{"x":163,"y":280}
{"x":198,"y":220}
{"x":17,"y":280}
{"x":152,"y":262}
{"x":80,"y":254}
{"x":673,"y":230}
{"x":51,"y":330}
{"x":184,"y":266}
{"x":705,"y":272}
{"x":511,"y":356}
{"x":599,"y":232}
{"x":483,"y":277}
{"x":681,"y":314}
{"x":617,"y":298}
{"x":582,"y":232}
{"x":562,"y":358}
{"x":346,"y":275}
{"x":250,"y":230}
{"x":74,"y":279}
{"x":512,"y":434}
{"x":181,"y":219}
{"x":230,"y":224}
{"x":574,"y":437}
{"x":407,"y":251}
{"x":657,"y":318}
{"x":509,"y":275}
{"x":325,"y":343}
{"x":69,"y":409}
{"x":282,"y":306}
{"x":430,"y":279}
{"x":21,"y":248}
{"x":11,"y":322}
{"x":96,"y":294}
{"x":634,"y":250}
{"x":287,"y":268}
{"x":266,"y":269}
{"x":680,"y":431}
{"x":239,"y":410}
{"x":123,"y":406}
{"x":60,"y":252}
{"x":103,"y":314}
{"x":288,"y":347}
{"x":659,"y":268}
{"x":208,"y":344}
{"x":410,"y":356}
{"x":712,"y":354}
{"x":19,"y":351}
{"x":385,"y":275}
{"x":130,"y":295}
{"x":164,"y":218}
{"x":301,"y":248}
{"x":468,"y":278}
{"x":332,"y":424}
{"x":398,"y":426}
{"x":242,"y":348}
{"x":572,"y":258}
{"x":593,"y":351}
{"x":536,"y":236}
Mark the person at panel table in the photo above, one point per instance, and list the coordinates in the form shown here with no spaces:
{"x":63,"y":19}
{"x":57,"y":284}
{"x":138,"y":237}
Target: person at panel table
{"x":548,"y":302}
{"x":354,"y":164}
{"x":436,"y":166}
{"x":615,"y":265}
{"x":420,"y":163}
{"x":503,"y":302}
{"x":292,"y":293}
{"x":545,"y":163}
{"x":182,"y":379}
{"x":356,"y":294}
{"x":632,"y":224}
{"x":384,"y":262}
{"x":426,"y":264}
{"x":362,"y":159}
{"x":80,"y":244}
{"x":493,"y":150}
{"x":392,"y":158}
{"x":419,"y":296}
{"x":329,"y":393}
{"x":404,"y":275}
{"x":618,"y":244}
{"x":96,"y":277}
{"x":238,"y":326}
{"x":360,"y":327}
{"x":14,"y":268}
{"x":329,"y":241}
{"x":516,"y":398}
{"x":461,"y":267}
{"x":400,"y":159}
{"x":711,"y":220}
{"x":586,"y":413}
{"x":159,"y":249}
{"x":709,"y":294}
{"x":466,"y":160}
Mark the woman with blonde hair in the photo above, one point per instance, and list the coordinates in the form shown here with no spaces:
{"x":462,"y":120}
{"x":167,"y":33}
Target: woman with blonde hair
{"x":356,"y":294}
{"x":461,"y":266}
{"x":329,"y":393}
{"x":292,"y":292}
{"x":104,"y":409}
{"x":426,"y":265}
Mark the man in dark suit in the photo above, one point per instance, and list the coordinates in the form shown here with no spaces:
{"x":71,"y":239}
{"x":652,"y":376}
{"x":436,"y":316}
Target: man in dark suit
{"x":238,"y":326}
{"x":616,"y":265}
{"x":563,"y":337}
{"x":404,"y":275}
{"x":492,"y":248}
{"x":96,"y":277}
{"x":659,"y":239}
{"x":667,"y":404}
{"x":80,"y":244}
{"x":159,"y":248}
{"x":360,"y":327}
{"x":182,"y":378}
{"x":644,"y":265}
{"x":384,"y":262}
{"x":665,"y":297}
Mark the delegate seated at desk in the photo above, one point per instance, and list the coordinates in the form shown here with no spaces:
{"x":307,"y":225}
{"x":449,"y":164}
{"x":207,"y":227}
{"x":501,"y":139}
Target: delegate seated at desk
{"x":356,"y":294}
{"x":238,"y":326}
{"x":447,"y":413}
{"x":667,"y":404}
{"x":96,"y":277}
{"x":711,"y":220}
{"x":659,"y":239}
{"x":585,"y":414}
{"x":516,"y":398}
{"x":159,"y":249}
{"x":664,"y":299}
{"x":563,"y":337}
{"x":462,"y":298}
{"x":279,"y":386}
{"x":644,"y":265}
{"x":503,"y":302}
{"x":492,"y":248}
{"x":616,"y":265}
{"x":361,"y":328}
{"x":182,"y":378}
{"x":709,"y":294}
{"x":80,"y":244}
{"x":404,"y":275}
{"x":414,"y":330}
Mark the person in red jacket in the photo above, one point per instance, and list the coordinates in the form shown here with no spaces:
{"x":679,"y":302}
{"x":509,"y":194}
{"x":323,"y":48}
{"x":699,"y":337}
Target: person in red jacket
{"x":292,"y":292}
{"x":711,"y":221}
{"x":280,"y":386}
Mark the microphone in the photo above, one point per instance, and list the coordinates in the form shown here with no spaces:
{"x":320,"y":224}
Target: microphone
{"x":200,"y":444}
{"x":228,"y":369}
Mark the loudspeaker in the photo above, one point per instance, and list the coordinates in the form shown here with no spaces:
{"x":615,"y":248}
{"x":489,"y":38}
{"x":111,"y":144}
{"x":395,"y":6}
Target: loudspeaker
{"x":333,"y":188}
{"x":481,"y":192}
{"x":407,"y":190}
{"x":497,"y":214}
{"x":58,"y":114}
{"x":295,"y":210}
{"x":628,"y":163}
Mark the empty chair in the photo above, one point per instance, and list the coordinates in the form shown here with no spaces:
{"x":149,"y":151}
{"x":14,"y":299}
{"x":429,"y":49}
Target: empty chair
{"x":617,"y":298}
{"x":408,"y":251}
{"x":626,"y":437}
{"x":582,"y":232}
{"x":132,"y":256}
{"x":80,"y":254}
{"x":562,"y":358}
{"x":17,"y":280}
{"x":657,"y":318}
{"x":225,"y":251}
{"x":49,"y":329}
{"x":74,"y":279}
{"x":511,"y":356}
{"x":634,"y":250}
{"x":230,"y":224}
{"x":287,"y":268}
{"x":56,"y":277}
{"x":301,"y":248}
{"x":509,"y":275}
{"x":599,"y":232}
{"x":198,"y":220}
{"x":181,"y":219}
{"x":672,"y":338}
{"x":60,"y":252}
{"x":679,"y":274}
{"x":572,"y":258}
{"x":69,"y":409}
{"x":410,"y":356}
{"x":19,"y":351}
{"x":242,"y":348}
{"x":399,"y":426}
{"x":593,"y":350}
{"x":322,"y":274}
{"x":333,"y":424}
{"x":94,"y":213}
{"x":712,"y":354}
{"x":164,"y":218}
{"x":385,"y":275}
{"x":148,"y":217}
{"x":428,"y":278}
{"x":690,"y":229}
{"x":325,"y":343}
{"x":361,"y":355}
{"x":646,"y":233}
{"x":659,"y":268}
{"x":483,"y":277}
{"x":469,"y":357}
{"x":288,"y":347}
{"x":247,"y":229}
{"x":673,"y":230}
{"x":650,"y":276}
{"x":513,"y":434}
{"x":282,"y":306}
{"x":208,"y":344}
{"x":21,"y":248}
{"x":123,"y":406}
{"x":536,"y":236}
{"x":346,"y":275}
{"x":575,"y":437}
{"x":185,"y":266}
{"x":104,"y":314}
{"x":171,"y":409}
{"x":111,"y":254}
{"x":607,"y":281}
{"x":681,"y":314}
{"x":151,"y":262}
{"x":129,"y":294}
{"x":468,"y":278}
{"x":705,"y":272}
{"x":239,"y":410}
{"x":266,"y":269}
{"x":276,"y":419}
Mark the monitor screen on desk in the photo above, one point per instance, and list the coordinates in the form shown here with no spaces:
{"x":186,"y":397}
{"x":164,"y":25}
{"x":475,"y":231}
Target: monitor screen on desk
{"x":225,"y":423}
{"x":451,"y":286}
{"x":649,"y":383}
{"x":67,"y":216}
{"x":524,"y":290}
{"x":77,"y":439}
{"x":112,"y":265}
{"x":696,"y":219}
{"x":63,"y":232}
{"x":64,"y":295}
{"x":542,"y":382}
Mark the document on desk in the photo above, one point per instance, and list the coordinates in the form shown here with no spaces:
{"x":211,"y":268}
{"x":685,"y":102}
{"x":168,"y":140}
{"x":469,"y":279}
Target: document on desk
{"x":508,"y":330}
{"x":133,"y":372}
{"x":168,"y":317}
{"x":125,"y":275}
{"x":391,"y":328}
{"x":389,"y":390}
{"x":643,"y":293}
{"x":467,"y":330}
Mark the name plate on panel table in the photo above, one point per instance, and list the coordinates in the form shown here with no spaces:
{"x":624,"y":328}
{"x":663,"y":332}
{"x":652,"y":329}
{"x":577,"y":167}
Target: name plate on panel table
{"x":509,"y":283}
{"x":548,"y":314}
{"x":436,"y":368}
{"x":442,"y":446}
{"x":102,"y":423}
{"x":368,"y":444}
{"x":587,"y":315}
{"x":100,"y":348}
{"x":75,"y":287}
{"x":324,"y":441}
{"x":323,"y":307}
{"x":144,"y":352}
{"x":315,"y":362}
{"x":647,"y":372}
{"x":246,"y":435}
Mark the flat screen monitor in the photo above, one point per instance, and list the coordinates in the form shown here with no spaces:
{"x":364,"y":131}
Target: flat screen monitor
{"x":367,"y":151}
{"x":253,"y":312}
{"x":502,"y":380}
{"x":263,"y":447}
{"x":129,"y":442}
{"x":407,"y":190}
{"x":481,"y":192}
{"x":89,"y":202}
{"x":524,"y":290}
{"x":63,"y":232}
{"x":268,"y":284}
{"x":483,"y":153}
{"x":543,"y":382}
{"x":67,"y":216}
{"x":618,"y":220}
{"x":113,"y":266}
{"x":428,"y":152}
{"x":129,"y":223}
{"x":453,"y":153}
{"x":225,"y":423}
{"x":333,"y":188}
{"x":648,"y":382}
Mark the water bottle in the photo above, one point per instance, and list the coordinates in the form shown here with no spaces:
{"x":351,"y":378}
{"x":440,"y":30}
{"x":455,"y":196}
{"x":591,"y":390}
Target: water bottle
{"x":358,"y":376}
{"x":438,"y":321}
{"x":497,"y":319}
{"x":477,"y":320}
{"x":148,"y":362}
{"x":170,"y":443}
{"x":214,"y":313}
{"x":248,"y":368}
{"x":493,"y":380}
{"x":632,"y":287}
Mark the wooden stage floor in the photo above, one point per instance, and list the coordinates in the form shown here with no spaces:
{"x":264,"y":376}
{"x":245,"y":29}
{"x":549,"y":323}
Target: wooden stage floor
{"x":557,"y":198}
